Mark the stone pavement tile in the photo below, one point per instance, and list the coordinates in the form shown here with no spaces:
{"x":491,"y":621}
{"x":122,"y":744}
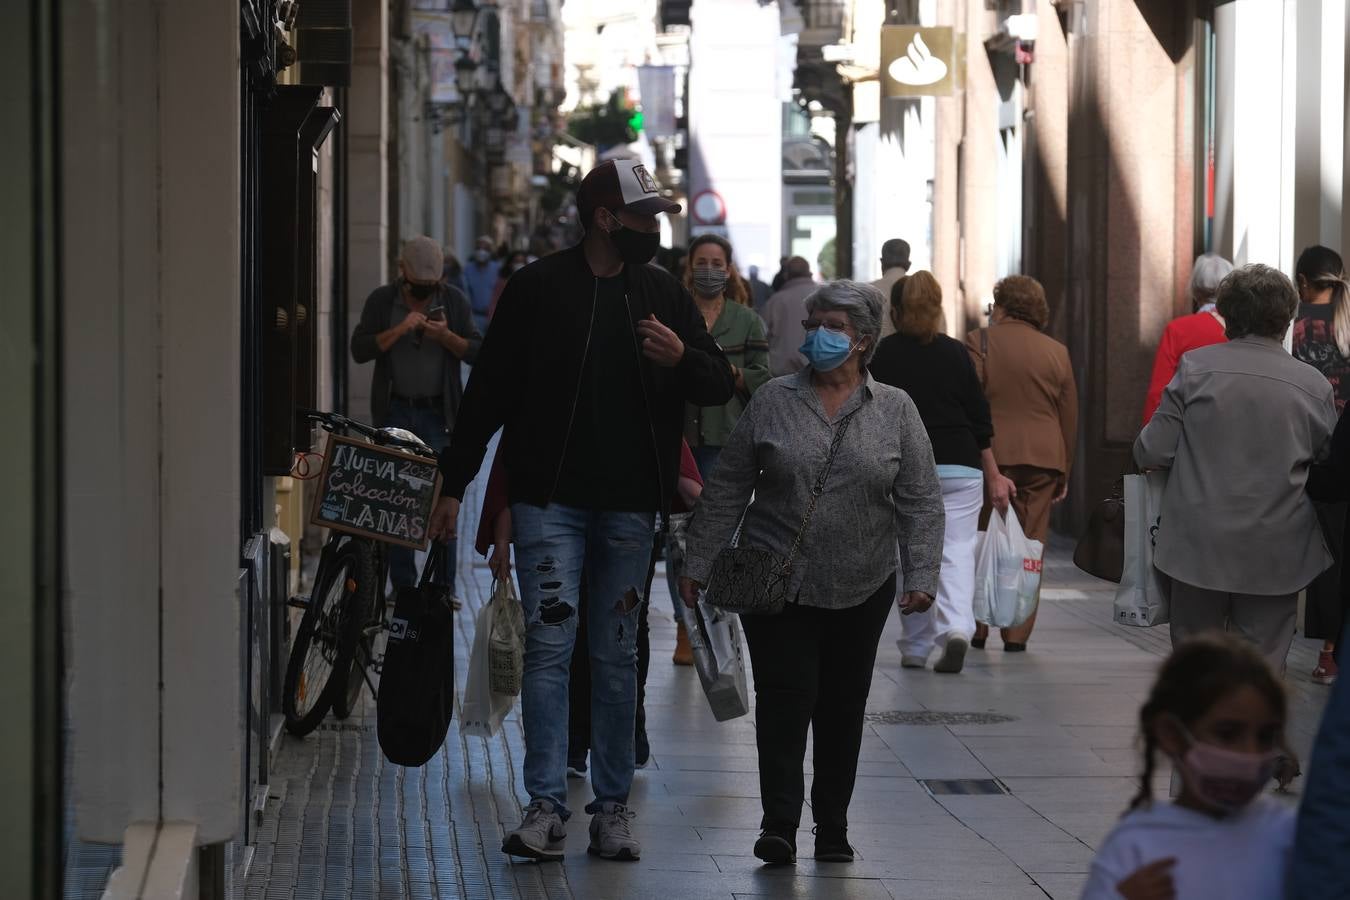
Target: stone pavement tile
{"x":930,"y":752}
{"x":1061,"y":886}
{"x":951,"y":868}
{"x":1059,"y":761}
{"x":1056,"y":857}
{"x":931,"y":890}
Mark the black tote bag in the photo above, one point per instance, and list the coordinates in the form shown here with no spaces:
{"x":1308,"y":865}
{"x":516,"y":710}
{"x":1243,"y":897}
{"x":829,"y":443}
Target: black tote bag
{"x":417,"y":683}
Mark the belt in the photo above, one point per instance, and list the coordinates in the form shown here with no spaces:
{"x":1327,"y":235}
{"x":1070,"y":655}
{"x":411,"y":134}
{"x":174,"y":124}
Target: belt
{"x":436,"y":402}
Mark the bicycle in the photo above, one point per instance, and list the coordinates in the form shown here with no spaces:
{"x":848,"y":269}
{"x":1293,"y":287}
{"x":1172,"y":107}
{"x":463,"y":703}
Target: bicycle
{"x":334,"y":646}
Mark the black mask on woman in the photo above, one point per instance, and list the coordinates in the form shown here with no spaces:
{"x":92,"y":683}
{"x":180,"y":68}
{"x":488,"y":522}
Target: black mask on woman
{"x":636,"y":247}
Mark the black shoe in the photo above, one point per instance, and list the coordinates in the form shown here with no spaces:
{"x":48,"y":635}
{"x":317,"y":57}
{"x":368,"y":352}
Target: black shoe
{"x":1014,"y":647}
{"x":977,"y":643}
{"x":642,"y":749}
{"x":776,"y":848}
{"x":832,"y":845}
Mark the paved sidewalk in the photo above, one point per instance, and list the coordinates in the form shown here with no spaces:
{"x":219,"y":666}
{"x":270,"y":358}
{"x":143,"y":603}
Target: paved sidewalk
{"x":1050,"y":733}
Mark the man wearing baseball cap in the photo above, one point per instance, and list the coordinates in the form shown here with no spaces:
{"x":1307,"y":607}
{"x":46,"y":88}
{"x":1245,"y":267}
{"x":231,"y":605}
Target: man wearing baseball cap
{"x":417,"y":330}
{"x":589,"y":363}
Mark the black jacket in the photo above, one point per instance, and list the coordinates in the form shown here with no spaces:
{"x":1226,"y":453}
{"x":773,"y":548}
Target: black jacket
{"x":529,"y":371}
{"x":941,"y":380}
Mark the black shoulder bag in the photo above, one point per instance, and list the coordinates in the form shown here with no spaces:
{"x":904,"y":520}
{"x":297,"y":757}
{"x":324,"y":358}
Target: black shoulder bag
{"x":751,"y":581}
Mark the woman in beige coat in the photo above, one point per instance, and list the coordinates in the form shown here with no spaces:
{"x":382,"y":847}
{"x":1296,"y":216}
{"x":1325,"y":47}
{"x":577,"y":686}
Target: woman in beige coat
{"x":1029,"y":381}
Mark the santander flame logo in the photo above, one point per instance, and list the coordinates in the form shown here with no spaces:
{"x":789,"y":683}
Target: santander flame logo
{"x":918,"y":66}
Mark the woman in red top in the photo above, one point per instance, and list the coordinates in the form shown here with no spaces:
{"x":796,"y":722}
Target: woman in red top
{"x":1202,"y":328}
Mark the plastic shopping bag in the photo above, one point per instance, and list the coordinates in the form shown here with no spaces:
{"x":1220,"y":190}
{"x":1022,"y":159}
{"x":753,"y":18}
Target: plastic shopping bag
{"x":506,"y":642}
{"x":1144,"y":593}
{"x":719,"y":658}
{"x":484,"y":709}
{"x":1007,"y":573}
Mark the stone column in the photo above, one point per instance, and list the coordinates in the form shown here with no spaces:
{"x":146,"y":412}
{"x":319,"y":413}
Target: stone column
{"x":1047,"y":162}
{"x":367,"y":124}
{"x":1129,"y":235}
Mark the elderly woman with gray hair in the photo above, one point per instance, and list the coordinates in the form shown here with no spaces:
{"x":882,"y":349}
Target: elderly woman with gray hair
{"x":813,"y":661}
{"x":1239,"y":427}
{"x":1200,"y":329}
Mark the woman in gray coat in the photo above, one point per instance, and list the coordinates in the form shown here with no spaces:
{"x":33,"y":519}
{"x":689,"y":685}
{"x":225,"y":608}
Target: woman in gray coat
{"x":1238,"y":428}
{"x":813,"y":661}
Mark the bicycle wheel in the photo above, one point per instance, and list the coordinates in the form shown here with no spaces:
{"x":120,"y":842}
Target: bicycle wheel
{"x":316,"y":655}
{"x":360,"y":626}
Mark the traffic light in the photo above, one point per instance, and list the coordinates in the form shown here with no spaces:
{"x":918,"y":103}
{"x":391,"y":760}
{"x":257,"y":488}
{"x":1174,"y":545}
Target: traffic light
{"x":635,"y":122}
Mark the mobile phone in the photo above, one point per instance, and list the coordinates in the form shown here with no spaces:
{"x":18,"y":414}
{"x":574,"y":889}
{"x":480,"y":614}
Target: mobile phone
{"x":436,"y":313}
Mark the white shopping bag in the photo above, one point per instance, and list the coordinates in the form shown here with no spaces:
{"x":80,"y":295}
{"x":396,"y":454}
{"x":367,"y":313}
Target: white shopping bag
{"x":1007,"y":573}
{"x":506,"y":643}
{"x":1144,"y":593}
{"x":719,"y":658}
{"x":484,"y":710}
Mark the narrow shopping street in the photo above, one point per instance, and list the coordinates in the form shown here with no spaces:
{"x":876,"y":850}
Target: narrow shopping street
{"x":995,"y":783}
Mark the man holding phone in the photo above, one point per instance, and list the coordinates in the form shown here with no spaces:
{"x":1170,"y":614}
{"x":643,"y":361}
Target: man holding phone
{"x":417,"y":330}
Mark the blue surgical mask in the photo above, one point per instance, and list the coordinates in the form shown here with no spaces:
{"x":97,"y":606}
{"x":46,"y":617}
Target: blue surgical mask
{"x":825,"y":349}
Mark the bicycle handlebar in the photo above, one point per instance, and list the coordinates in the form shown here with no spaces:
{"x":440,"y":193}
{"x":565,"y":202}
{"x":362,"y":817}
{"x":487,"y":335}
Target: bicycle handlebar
{"x":332,"y":421}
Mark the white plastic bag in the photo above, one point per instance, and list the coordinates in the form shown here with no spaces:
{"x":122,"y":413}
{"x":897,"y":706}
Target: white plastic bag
{"x":506,"y":643}
{"x":483,"y":711}
{"x":1007,"y":573}
{"x":719,"y":658}
{"x":1144,"y":593}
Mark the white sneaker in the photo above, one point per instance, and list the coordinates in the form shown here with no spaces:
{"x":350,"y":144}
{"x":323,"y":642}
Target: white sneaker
{"x":910,"y":661}
{"x":612,"y":834}
{"x":540,"y":836}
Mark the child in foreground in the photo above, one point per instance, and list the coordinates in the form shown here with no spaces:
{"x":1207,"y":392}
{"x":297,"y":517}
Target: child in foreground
{"x":1218,"y":712}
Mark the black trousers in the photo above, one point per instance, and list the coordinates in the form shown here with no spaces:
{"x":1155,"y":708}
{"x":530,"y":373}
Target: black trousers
{"x":1325,"y":607}
{"x":813,"y":667}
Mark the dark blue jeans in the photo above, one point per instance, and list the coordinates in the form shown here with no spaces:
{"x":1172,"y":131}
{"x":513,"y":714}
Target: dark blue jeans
{"x":429,"y":425}
{"x":706,"y":459}
{"x":554,"y":545}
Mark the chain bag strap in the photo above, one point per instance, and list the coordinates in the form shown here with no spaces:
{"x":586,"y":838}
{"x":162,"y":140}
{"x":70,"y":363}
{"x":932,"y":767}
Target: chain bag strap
{"x":751,"y":581}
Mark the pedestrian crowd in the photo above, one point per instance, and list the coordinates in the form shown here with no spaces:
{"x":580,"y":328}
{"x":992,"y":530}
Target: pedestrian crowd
{"x":838,"y":433}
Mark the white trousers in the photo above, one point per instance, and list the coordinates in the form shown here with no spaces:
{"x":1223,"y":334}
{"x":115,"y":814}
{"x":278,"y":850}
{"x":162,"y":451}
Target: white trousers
{"x":953,"y":612}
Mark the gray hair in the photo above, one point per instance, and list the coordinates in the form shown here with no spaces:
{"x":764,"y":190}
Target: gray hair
{"x":1208,"y":271}
{"x":1257,"y":300}
{"x":860,"y":301}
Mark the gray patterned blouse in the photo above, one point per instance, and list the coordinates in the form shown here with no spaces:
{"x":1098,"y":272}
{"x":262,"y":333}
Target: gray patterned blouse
{"x":883,"y":492}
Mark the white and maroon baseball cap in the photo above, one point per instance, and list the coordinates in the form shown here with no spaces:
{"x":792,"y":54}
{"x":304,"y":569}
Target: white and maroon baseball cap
{"x":621,"y":184}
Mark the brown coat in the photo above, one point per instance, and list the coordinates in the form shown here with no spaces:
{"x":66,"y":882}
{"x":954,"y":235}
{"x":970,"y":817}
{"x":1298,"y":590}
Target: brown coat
{"x":1029,"y":382}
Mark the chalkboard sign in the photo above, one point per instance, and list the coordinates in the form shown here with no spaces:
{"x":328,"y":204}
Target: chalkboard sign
{"x":376,"y":492}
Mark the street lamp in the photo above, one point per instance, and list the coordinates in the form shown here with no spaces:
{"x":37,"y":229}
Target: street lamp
{"x":463,"y":19}
{"x":465,"y":74}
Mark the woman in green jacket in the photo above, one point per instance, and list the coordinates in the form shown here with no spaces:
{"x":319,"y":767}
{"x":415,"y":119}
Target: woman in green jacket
{"x":723,"y":298}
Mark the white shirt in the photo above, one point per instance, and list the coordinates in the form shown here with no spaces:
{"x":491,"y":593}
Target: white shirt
{"x":1241,"y":857}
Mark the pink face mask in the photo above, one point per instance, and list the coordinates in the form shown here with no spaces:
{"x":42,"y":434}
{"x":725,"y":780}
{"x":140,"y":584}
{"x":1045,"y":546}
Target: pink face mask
{"x":1226,"y":780}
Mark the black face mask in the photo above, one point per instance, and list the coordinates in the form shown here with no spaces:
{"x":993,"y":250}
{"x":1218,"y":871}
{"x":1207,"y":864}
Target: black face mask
{"x":422,"y":291}
{"x":636,"y":247}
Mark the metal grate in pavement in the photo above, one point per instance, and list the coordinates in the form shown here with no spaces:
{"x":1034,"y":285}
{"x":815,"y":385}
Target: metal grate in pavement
{"x":963,"y":786}
{"x":936,"y":717}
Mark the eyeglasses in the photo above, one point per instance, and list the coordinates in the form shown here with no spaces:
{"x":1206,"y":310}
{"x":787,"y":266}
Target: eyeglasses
{"x":812,"y":325}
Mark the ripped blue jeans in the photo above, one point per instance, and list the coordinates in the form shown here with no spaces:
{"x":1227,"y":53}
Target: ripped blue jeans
{"x":554,"y":544}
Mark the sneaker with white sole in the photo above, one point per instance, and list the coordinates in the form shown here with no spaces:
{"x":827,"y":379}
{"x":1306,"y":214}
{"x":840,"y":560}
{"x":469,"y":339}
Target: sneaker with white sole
{"x":612,"y":833}
{"x":540,"y":836}
{"x":908,"y":661}
{"x":953,"y":656}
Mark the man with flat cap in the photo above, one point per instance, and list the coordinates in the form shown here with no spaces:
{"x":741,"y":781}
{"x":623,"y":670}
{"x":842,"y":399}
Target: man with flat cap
{"x":416,"y":330}
{"x":590,"y":360}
